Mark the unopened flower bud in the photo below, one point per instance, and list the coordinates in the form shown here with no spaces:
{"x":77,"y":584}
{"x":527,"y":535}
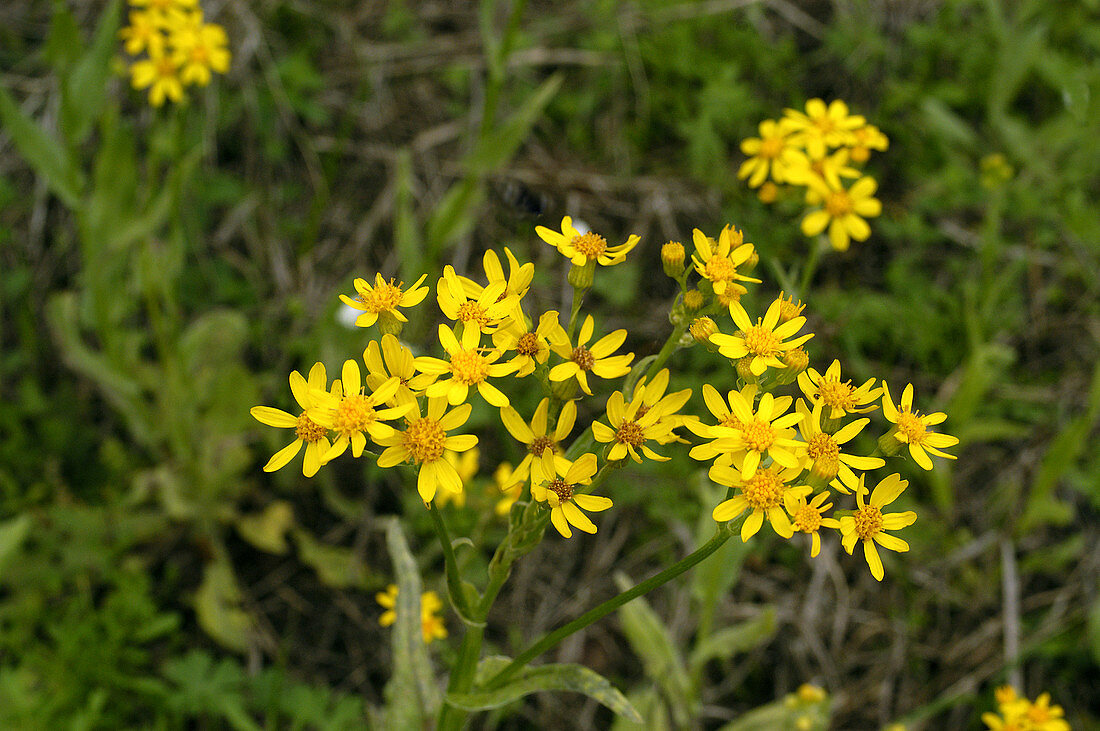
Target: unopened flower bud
{"x":751,"y":262}
{"x":693,"y":300}
{"x":580,"y":277}
{"x":389,"y":325}
{"x":789,"y":308}
{"x":768,"y":192}
{"x":744,"y":371}
{"x":796,"y":360}
{"x":702,"y":328}
{"x":564,"y":390}
{"x":823,"y":471}
{"x":889,"y":444}
{"x":810,"y":693}
{"x":672,"y":258}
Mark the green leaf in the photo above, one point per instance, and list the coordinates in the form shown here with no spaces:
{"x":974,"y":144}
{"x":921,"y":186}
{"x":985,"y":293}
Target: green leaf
{"x":217,"y":606}
{"x":569,"y":677}
{"x":340,"y":568}
{"x":12,"y":534}
{"x":63,"y":44}
{"x":84,"y":90}
{"x":411,"y":695}
{"x":407,"y":237}
{"x":738,"y":638}
{"x":651,"y":641}
{"x":49,"y":158}
{"x":267,"y":529}
{"x":945,"y":123}
{"x":495,"y":149}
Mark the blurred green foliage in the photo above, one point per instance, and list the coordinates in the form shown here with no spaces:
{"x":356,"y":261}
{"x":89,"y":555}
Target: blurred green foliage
{"x":161,"y":272}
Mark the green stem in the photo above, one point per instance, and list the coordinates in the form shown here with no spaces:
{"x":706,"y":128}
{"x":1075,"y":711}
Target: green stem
{"x":809,"y":268}
{"x":575,"y":311}
{"x":462,"y":677}
{"x":450,"y":563}
{"x":720,"y":537}
{"x":670,"y":347}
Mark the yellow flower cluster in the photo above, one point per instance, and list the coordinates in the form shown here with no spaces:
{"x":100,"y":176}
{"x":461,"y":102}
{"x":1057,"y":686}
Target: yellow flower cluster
{"x":431,"y":624}
{"x":1020,"y":714}
{"x":176,"y":46}
{"x":817,"y":150}
{"x":776,"y":452}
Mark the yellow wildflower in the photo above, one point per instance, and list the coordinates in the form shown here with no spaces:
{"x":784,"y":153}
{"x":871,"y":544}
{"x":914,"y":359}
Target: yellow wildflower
{"x":145,"y":33}
{"x":717,"y":262}
{"x":823,"y":455}
{"x":869,"y":524}
{"x":764,"y":341}
{"x":843,"y":211}
{"x":565,"y":504}
{"x":502,"y":478}
{"x":764,"y":493}
{"x":582,"y":360}
{"x":823,"y":126}
{"x":543,"y":446}
{"x":394,"y":359}
{"x":763,"y":432}
{"x":165,"y":6}
{"x":517,"y":282}
{"x":807,"y":517}
{"x":307,"y":431}
{"x":382,"y":300}
{"x":583,"y":248}
{"x":532,"y":347}
{"x":867,"y":138}
{"x":912,"y":428}
{"x":652,"y":397}
{"x":823,"y":172}
{"x":769,"y":153}
{"x":350,"y":412}
{"x":469,"y":365}
{"x":424,"y":441}
{"x":465,"y":465}
{"x":484,"y":312}
{"x":724,"y":433}
{"x":630,"y":431}
{"x":431,"y":624}
{"x":160,"y":74}
{"x":840,"y":396}
{"x":199,"y":49}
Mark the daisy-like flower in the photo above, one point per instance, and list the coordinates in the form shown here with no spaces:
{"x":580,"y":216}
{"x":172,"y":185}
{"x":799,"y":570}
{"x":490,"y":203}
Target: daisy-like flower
{"x":840,"y":397}
{"x":517,"y":282}
{"x":826,"y":171}
{"x":483,"y":312}
{"x":431,"y":624}
{"x":381,"y":301}
{"x":306,"y":431}
{"x":808,"y":517}
{"x":502,"y":478}
{"x":842,"y":211}
{"x":582,"y":360}
{"x":912,"y":428}
{"x":765,"y":432}
{"x":769,"y":153}
{"x":765,"y":341}
{"x":629,"y":432}
{"x":869,"y":524}
{"x":823,"y":455}
{"x":565,"y":504}
{"x":391,"y":359}
{"x":582,"y":248}
{"x":145,"y":32}
{"x":532,"y":347}
{"x":717,"y":262}
{"x":728,"y":424}
{"x":764,"y":494}
{"x":352,"y":414}
{"x":423,"y":443}
{"x":652,"y":396}
{"x":199,"y":49}
{"x":160,"y":73}
{"x":1020,"y":714}
{"x":867,"y":138}
{"x":544,"y":449}
{"x":469,"y":365}
{"x":466,"y":465}
{"x":823,"y":126}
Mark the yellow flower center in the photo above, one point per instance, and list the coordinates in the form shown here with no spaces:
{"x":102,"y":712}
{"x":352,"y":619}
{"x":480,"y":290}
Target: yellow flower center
{"x":425,"y":439}
{"x":353,"y":414}
{"x":308,"y":430}
{"x":583,"y":358}
{"x":823,"y":447}
{"x":562,"y":489}
{"x":1039,"y":714}
{"x":199,"y":55}
{"x":166,"y":69}
{"x":770,"y":147}
{"x":838,"y":204}
{"x":758,"y":435}
{"x":860,"y":154}
{"x":761,"y":340}
{"x":911,"y":426}
{"x":528,"y":345}
{"x":384,"y":297}
{"x":836,"y":394}
{"x":764,"y":489}
{"x":630,"y":433}
{"x":469,"y":367}
{"x":719,"y":269}
{"x":541,"y":444}
{"x":807,"y":519}
{"x":825,"y":124}
{"x":868,"y":522}
{"x":472,"y":312}
{"x":590,"y":244}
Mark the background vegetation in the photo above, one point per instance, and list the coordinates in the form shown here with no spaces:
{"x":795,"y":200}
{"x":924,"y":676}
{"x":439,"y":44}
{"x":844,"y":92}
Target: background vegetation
{"x":163,"y":271}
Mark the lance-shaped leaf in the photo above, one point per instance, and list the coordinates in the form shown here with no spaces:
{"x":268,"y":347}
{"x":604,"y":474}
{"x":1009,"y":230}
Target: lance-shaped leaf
{"x":738,"y":638}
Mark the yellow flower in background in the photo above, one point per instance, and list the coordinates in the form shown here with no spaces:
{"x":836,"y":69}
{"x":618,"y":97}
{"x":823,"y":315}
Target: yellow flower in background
{"x":383,"y":300}
{"x":352,"y":414}
{"x":424,"y":441}
{"x":912,"y":428}
{"x":392,"y":359}
{"x":483,"y":312}
{"x":841,"y":397}
{"x":502,"y":478}
{"x":822,"y":126}
{"x":165,"y":6}
{"x":160,"y":74}
{"x":769,"y":153}
{"x":869,"y":524}
{"x":1020,"y":714}
{"x":532,"y":347}
{"x":466,"y":465}
{"x":823,"y":455}
{"x":763,"y":493}
{"x":582,"y":248}
{"x":469,"y":365}
{"x":765,"y":341}
{"x":565,"y":504}
{"x":145,"y":33}
{"x":717,"y":262}
{"x":544,"y":450}
{"x":807,"y":517}
{"x":843,"y":211}
{"x":867,"y":138}
{"x":200,"y":48}
{"x":582,"y":360}
{"x":307,"y":432}
{"x":431,"y":624}
{"x":827,"y":171}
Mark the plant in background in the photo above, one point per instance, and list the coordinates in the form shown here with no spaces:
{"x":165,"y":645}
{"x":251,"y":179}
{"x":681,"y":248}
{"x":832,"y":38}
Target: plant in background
{"x":1015,"y":713}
